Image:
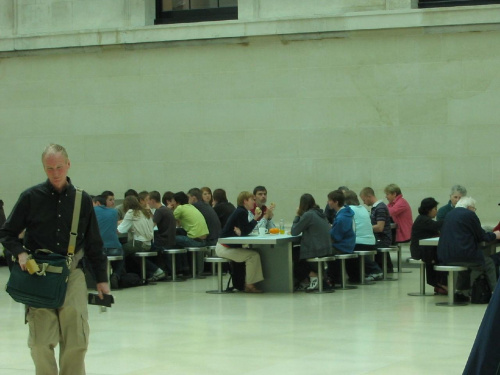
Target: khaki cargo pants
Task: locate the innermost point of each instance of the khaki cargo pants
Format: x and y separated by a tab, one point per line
66	326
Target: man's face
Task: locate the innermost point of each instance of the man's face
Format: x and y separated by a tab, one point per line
331	204
110	201
172	204
261	198
56	168
192	199
366	199
454	198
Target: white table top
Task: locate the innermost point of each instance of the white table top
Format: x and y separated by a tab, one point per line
429	241
266	239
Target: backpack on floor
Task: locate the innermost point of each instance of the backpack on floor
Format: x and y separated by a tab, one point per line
481	292
129	280
238	273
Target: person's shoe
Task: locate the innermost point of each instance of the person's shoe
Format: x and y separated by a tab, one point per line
113	280
313	284
440	291
252	289
158	275
302	287
370	278
459	297
378	276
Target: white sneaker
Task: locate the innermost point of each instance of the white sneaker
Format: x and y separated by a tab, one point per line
313	284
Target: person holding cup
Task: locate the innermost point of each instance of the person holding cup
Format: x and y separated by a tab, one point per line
315	241
239	224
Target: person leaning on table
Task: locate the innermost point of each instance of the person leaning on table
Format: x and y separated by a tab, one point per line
239	224
458	245
46	211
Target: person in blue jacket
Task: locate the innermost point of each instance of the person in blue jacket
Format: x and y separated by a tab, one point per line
342	233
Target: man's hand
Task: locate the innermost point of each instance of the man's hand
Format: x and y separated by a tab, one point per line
23	258
270	211
237	231
497	233
258	214
102	288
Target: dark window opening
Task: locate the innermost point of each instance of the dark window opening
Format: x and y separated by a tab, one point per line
185	11
453	3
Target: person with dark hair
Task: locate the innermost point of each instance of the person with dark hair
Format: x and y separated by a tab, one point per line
107	218
315	241
266	220
239	224
211	219
426	227
45	212
342	235
381	224
110	198
222	207
138	222
191	220
329	212
167	198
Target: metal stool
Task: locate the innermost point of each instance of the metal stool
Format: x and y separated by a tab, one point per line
143	255
174	267
451	284
321	264
400	267
218	261
194	251
422	278
362	254
211	252
385	251
343	276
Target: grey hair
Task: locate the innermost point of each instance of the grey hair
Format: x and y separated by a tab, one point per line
459	189
465	202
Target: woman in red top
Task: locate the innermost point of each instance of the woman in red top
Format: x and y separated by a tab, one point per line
400	211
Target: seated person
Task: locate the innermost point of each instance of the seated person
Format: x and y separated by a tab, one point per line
365	239
315	241
138	222
206	195
400	211
381	224
191	220
164	236
222	207
266	220
342	234
239	225
458	245
426	227
457	192
107	220
329	212
212	220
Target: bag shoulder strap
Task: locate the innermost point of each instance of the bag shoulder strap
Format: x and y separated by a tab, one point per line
74	224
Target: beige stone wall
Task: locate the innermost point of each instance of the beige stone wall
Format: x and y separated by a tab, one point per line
414	107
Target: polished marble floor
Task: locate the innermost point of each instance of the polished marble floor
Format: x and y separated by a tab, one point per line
177	328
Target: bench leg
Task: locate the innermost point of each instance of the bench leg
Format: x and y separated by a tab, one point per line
386	278
451	293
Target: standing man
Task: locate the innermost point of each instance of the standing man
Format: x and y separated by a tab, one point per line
457	192
381	224
260	193
46	211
